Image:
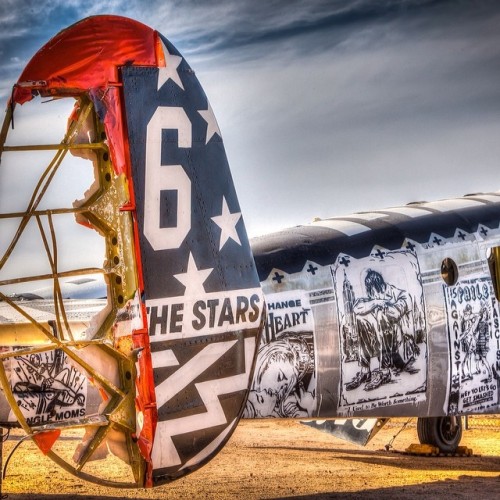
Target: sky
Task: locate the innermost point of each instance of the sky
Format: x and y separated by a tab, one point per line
325	107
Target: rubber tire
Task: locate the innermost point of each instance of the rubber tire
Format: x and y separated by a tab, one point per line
436	431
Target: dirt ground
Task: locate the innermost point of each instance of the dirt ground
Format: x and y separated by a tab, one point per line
285	459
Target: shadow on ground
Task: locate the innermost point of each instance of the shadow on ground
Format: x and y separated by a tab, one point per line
402	460
464	487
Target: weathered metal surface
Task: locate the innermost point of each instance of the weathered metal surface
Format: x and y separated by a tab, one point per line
384	329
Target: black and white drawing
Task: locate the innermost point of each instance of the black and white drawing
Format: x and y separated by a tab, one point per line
382	331
474	339
284	383
47	387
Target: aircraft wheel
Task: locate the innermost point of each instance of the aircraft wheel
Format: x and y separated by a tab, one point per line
443	432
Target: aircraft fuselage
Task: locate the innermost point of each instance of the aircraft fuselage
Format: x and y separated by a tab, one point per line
387	313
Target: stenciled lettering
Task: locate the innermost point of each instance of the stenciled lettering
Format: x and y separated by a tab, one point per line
166	177
169	319
204	314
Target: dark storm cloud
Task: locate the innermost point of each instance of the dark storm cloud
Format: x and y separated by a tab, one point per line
258	23
236	30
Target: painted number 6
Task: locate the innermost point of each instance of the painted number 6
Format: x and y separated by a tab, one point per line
166	177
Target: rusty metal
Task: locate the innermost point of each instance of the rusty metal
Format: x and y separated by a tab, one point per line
100	210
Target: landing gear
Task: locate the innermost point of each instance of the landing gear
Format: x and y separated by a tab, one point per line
443	432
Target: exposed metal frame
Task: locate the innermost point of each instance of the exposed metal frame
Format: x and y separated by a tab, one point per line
119	270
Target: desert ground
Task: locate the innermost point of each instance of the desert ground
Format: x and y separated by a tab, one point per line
285	459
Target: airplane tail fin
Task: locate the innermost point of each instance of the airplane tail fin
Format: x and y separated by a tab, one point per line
168	358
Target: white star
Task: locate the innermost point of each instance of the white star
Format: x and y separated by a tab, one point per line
227	222
170	70
193	278
212	127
